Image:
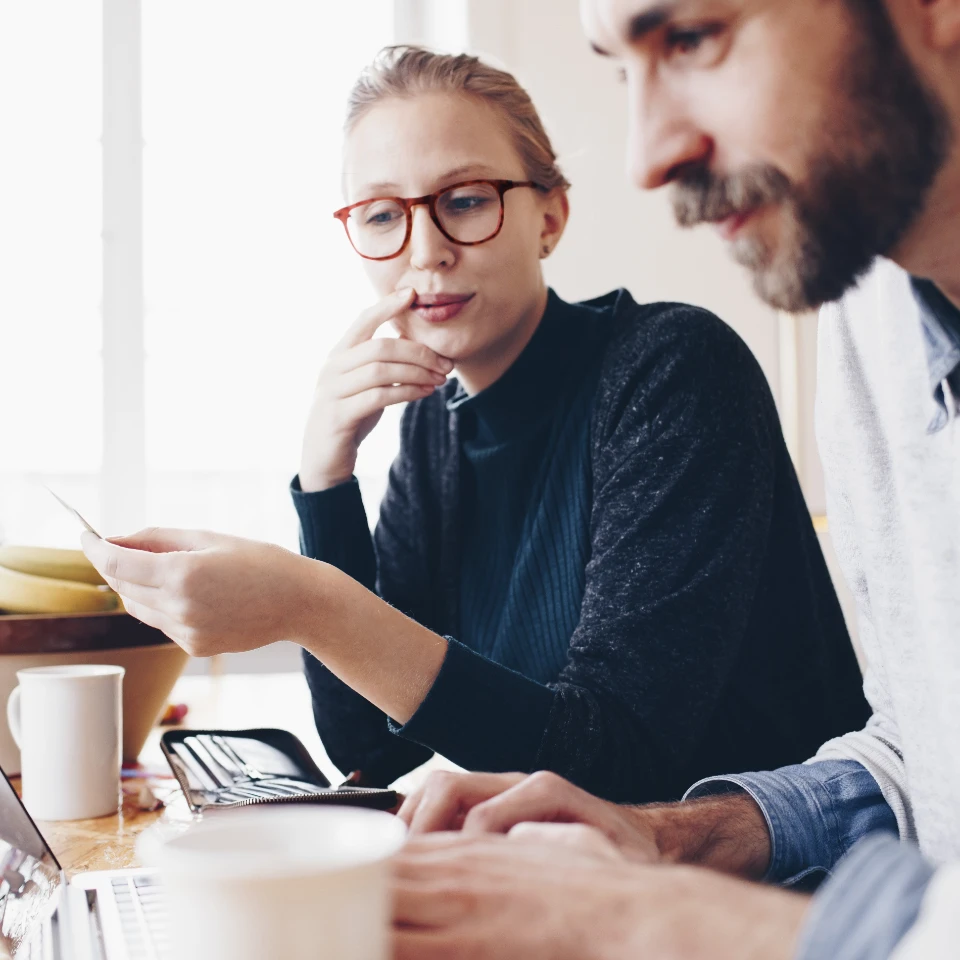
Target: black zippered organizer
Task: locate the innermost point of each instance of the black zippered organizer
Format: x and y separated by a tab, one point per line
222	769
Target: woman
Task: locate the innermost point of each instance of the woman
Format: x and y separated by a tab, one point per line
595	531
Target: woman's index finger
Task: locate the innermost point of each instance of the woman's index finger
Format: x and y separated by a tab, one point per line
370	321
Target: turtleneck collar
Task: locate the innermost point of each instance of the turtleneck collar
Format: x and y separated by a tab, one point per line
527	391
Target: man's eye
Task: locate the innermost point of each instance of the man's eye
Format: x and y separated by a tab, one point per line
685	41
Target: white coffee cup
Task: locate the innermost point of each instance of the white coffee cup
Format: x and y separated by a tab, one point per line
294	881
67	722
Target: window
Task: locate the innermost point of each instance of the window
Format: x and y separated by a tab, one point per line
247	279
50	263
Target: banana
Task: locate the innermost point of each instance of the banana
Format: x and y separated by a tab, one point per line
25	593
50	562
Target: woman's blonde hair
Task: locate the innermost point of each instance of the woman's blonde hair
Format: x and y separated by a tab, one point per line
405	71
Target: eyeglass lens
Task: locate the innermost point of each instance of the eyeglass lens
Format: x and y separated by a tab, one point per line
468	214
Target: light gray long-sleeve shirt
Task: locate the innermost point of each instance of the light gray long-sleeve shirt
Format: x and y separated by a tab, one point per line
889	379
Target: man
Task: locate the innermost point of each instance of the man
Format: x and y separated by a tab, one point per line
819	135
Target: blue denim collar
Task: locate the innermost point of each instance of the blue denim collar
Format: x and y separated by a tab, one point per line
940	320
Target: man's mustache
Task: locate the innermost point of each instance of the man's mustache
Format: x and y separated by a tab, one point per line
700	196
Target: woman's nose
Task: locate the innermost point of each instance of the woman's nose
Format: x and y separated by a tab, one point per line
429	248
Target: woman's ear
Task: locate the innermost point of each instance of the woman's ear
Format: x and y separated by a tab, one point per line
556	212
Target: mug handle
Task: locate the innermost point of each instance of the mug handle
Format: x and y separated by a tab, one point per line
13	714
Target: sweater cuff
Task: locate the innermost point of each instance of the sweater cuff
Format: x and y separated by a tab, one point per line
329	521
480	714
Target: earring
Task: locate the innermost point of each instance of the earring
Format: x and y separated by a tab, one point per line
544	251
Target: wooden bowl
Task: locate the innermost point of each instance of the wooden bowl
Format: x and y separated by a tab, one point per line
153	665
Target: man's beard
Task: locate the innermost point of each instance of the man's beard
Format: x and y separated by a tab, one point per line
867	184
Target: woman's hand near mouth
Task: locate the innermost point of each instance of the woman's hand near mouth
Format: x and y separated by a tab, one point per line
362	377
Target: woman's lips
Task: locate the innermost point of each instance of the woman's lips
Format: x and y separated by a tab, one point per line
439	308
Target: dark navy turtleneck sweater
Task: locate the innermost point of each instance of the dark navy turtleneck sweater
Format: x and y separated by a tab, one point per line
524	442
613	540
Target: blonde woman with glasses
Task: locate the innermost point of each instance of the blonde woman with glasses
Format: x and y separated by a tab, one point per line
593	556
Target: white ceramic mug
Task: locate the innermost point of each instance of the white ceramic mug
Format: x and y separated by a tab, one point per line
294	881
67	722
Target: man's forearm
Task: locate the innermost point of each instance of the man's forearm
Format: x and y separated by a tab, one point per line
727	833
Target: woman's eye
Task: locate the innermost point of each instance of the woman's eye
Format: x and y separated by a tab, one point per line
465	204
380	218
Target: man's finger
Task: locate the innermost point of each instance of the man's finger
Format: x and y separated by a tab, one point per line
531	800
119	563
439	844
445	800
426	903
367	324
418	944
576	836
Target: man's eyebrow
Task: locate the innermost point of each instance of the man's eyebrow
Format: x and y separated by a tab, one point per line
643	24
650	20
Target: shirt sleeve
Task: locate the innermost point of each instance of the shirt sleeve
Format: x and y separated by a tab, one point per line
869	904
936	933
815	813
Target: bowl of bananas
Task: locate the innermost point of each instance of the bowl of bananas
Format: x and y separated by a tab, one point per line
55	609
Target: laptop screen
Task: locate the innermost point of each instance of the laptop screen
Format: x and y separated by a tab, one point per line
29	874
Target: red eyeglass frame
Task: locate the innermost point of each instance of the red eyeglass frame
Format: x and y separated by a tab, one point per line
430	200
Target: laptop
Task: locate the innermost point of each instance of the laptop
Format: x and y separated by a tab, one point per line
106	915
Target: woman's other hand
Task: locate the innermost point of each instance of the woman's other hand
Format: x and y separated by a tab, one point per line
209	592
362	376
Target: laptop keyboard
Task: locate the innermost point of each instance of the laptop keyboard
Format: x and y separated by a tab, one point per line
143	917
42	945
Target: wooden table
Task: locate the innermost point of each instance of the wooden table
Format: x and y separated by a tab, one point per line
229	701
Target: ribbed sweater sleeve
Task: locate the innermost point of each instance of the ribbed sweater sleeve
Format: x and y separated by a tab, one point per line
355	734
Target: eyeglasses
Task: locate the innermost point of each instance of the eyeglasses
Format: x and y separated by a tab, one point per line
465	213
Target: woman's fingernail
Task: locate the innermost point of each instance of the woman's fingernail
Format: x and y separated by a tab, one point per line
446	365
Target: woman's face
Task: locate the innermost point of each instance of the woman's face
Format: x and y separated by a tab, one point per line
415	146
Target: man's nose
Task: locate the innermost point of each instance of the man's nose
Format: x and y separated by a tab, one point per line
664	140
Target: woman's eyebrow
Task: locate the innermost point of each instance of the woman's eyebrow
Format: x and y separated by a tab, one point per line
387	188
